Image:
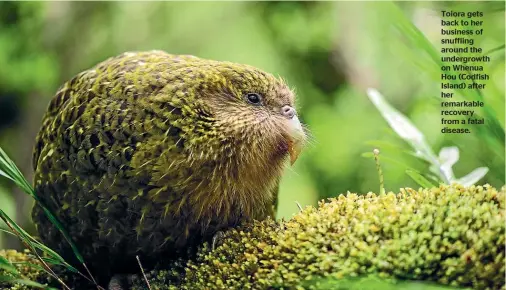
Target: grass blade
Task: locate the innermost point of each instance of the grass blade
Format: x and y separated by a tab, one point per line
407	131
24	237
495	49
11	171
419	179
27	282
473	177
402	126
7	266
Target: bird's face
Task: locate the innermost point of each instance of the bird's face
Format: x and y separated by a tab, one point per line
255	118
237	126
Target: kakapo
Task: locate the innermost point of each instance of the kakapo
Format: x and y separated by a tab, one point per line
147	153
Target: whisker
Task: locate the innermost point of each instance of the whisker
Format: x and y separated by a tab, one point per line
293	170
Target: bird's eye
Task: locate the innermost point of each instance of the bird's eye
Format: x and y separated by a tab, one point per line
253	98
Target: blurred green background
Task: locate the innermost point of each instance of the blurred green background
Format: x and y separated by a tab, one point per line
329	52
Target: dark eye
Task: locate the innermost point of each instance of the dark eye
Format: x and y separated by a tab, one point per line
253	98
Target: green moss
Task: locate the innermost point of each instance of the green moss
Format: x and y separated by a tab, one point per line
26	266
448	235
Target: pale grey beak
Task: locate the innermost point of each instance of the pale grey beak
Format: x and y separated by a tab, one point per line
296	140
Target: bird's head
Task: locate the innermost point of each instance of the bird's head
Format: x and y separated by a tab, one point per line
255	112
246	121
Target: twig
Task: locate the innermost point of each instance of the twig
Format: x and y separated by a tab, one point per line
298	205
93	279
78	272
143	274
34	251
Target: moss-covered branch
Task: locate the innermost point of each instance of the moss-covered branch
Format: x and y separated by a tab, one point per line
448	235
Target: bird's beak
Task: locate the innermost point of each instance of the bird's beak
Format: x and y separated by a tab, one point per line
294	150
296	139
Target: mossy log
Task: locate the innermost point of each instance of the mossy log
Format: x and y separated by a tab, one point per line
448	235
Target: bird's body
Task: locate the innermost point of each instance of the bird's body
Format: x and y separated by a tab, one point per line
147	153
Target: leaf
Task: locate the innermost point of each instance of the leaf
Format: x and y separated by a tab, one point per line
407	131
7	266
441	166
418	178
473	177
26	282
448	156
7	232
59	262
402	126
501	47
32	243
17	229
367	155
493	132
9	169
4	174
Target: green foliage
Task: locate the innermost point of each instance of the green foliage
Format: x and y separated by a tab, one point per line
18	269
8	169
440	166
418	178
24	64
418	48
